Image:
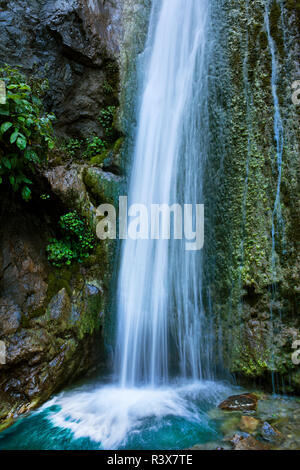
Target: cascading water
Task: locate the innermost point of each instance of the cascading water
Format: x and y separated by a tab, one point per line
279	139
277	221
160	310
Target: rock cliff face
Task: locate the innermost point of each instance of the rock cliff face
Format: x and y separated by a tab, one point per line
253	276
51	319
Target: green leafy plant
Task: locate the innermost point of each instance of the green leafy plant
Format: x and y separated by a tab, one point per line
72	146
59	253
25	131
76	244
107	88
106	118
94	146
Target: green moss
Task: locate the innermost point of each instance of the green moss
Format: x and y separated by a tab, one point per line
263	40
57	280
243	270
97	160
275	28
112	81
90	320
118	145
293	8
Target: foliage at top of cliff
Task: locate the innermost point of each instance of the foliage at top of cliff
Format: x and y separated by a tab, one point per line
25	130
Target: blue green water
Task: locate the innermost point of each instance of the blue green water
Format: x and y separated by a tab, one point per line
94	417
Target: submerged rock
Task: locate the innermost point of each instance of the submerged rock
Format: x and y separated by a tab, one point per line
212	446
248	424
244	402
270	433
248	443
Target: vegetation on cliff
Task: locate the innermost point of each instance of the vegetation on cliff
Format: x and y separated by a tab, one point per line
26	131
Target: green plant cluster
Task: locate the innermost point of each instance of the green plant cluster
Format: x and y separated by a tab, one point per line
25	131
72	146
107	88
87	148
94	146
76	243
106	119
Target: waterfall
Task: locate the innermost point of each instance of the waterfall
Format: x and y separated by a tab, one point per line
277	221
160	309
279	140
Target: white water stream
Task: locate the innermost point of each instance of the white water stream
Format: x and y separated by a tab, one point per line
160	310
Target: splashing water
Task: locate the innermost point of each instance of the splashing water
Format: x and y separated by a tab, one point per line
109	417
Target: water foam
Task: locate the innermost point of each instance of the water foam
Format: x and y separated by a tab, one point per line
110	415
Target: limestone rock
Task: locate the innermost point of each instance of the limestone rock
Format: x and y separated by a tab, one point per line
104	186
248	424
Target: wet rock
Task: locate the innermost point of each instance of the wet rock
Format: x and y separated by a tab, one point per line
10	317
229	423
244	402
212	446
236	437
103	186
248	424
66	183
270	433
58	313
46	345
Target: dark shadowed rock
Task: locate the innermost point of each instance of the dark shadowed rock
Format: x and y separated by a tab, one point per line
70	43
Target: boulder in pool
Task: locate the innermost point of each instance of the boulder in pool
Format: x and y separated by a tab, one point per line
244	402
